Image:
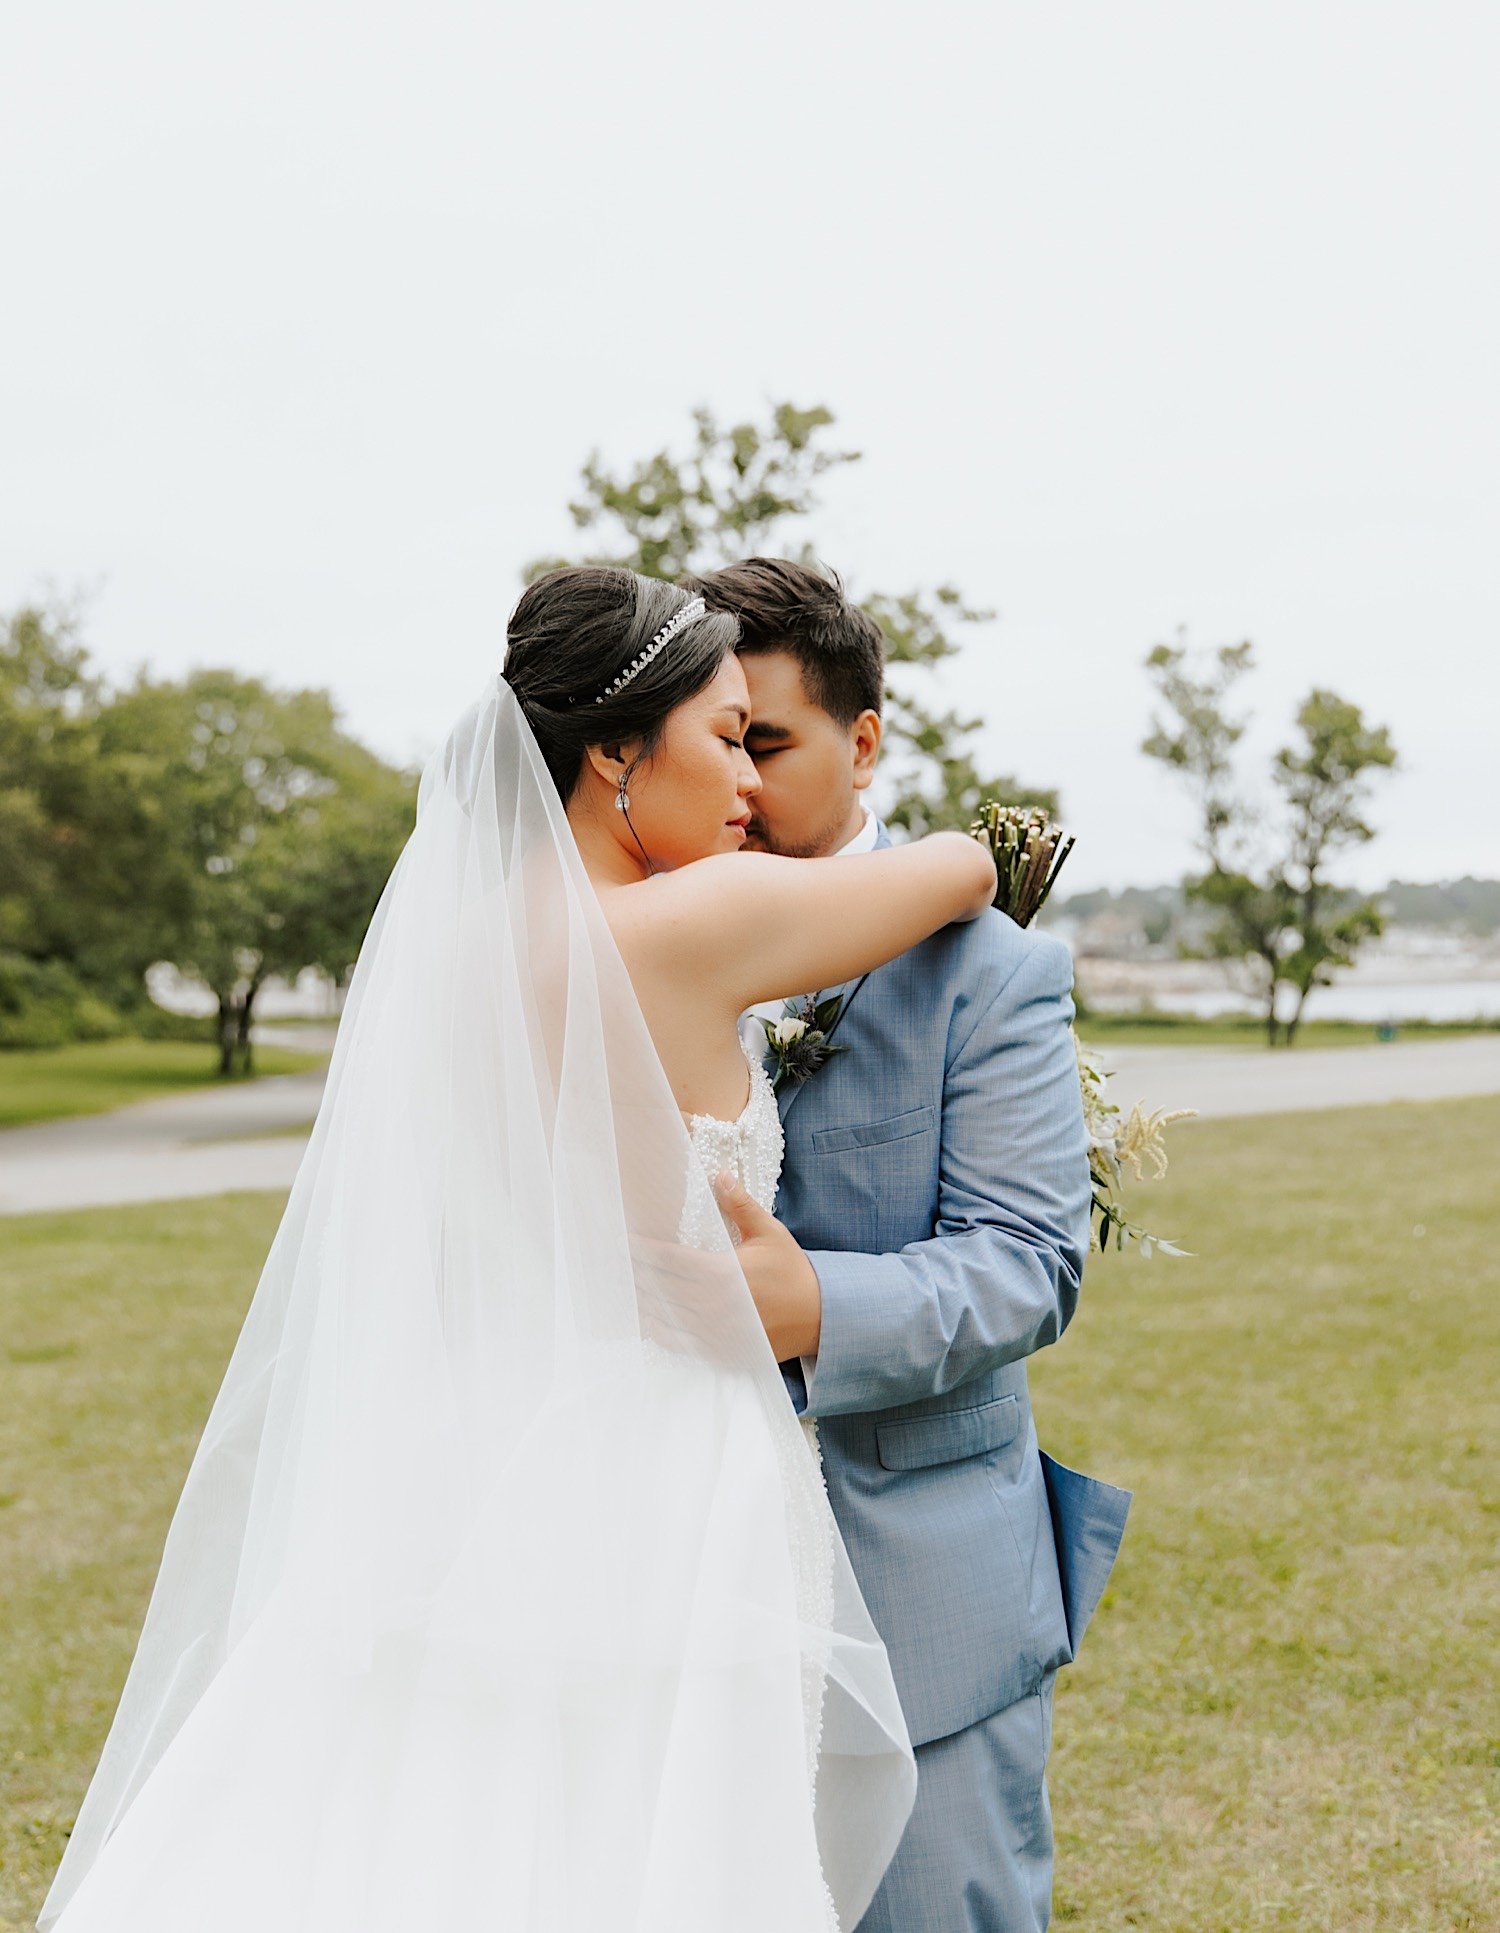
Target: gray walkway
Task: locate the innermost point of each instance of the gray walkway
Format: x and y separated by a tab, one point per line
207	1142
242	1137
1234	1080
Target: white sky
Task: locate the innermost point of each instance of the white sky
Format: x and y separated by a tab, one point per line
1144	314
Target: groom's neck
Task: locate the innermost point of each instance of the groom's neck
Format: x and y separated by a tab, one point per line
841	831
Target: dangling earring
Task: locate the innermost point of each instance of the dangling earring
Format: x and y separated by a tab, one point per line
622	797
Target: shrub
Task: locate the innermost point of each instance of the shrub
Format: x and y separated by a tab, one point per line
44	1003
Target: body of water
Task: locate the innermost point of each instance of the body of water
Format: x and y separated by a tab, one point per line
1352	1000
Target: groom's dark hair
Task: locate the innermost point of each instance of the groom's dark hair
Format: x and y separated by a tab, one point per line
802	609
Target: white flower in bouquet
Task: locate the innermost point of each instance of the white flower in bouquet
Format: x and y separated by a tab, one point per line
1029	852
1117	1142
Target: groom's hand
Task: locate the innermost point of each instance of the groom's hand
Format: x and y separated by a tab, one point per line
782	1280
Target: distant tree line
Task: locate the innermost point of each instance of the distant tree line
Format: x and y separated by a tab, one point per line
210	821
238	832
1165	917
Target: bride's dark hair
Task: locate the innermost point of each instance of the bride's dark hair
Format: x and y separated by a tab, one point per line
572	634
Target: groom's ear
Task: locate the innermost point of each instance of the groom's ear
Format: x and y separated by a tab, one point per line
866	733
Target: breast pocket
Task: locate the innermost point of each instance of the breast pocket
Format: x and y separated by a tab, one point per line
874	1134
879	1179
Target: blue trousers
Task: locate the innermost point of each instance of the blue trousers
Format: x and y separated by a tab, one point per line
976	1856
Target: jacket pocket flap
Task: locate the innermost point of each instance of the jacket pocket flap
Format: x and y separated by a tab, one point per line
899	1127
914	1442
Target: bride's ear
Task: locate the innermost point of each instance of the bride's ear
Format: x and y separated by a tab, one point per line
610	760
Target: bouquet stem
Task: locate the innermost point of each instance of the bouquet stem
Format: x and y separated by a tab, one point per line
1029	852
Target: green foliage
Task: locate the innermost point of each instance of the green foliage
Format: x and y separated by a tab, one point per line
44	1003
1275	905
722	500
1197	736
232	829
741	490
284	830
85	873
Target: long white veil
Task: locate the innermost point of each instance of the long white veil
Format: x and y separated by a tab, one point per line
482	1605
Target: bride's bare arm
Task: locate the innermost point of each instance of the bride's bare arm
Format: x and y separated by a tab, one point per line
760	925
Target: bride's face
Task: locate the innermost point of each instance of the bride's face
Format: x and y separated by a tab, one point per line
692	796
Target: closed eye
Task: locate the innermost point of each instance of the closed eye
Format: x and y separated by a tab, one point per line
737	743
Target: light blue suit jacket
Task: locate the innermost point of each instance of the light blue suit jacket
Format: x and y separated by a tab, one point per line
937	1173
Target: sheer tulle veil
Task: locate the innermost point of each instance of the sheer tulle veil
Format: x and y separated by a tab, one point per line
484	1558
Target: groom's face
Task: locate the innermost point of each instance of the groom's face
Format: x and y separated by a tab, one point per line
812	768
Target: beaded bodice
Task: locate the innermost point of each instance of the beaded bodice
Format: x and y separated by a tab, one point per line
750	1148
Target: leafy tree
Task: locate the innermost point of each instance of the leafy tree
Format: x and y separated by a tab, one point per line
1268	874
283	827
87	875
746	489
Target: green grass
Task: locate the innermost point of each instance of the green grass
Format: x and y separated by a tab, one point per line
90	1077
1152	1027
115	1328
1283	1716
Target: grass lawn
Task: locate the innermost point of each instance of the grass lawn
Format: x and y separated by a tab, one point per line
1158	1029
1284	1715
90	1077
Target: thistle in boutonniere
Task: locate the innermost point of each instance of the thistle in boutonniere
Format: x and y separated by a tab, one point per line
1029	851
799	1040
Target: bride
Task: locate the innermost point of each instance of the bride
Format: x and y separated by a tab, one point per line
503	1591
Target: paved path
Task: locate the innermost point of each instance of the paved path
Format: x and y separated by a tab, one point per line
244	1137
1244	1080
206	1142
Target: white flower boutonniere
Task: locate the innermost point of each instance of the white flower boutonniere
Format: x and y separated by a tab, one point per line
799	1041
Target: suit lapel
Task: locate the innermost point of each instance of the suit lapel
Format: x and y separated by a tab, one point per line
850	992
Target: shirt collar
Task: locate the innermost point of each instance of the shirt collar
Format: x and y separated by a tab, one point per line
865	839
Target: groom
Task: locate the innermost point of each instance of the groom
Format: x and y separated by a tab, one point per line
932	1225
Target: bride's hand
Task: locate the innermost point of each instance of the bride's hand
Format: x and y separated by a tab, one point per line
782	1281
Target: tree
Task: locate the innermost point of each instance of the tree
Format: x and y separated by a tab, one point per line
1267	876
283	827
744	489
87	873
1322	782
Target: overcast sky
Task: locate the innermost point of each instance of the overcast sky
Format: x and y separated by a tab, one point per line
1143	315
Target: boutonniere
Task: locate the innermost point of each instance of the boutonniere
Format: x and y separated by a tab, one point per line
799	1041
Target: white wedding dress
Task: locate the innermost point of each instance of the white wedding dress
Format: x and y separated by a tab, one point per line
503	1592
751	1148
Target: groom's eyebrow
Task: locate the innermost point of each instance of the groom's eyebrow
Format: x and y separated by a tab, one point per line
759	728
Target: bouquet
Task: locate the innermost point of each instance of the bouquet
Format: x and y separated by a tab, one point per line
1029	853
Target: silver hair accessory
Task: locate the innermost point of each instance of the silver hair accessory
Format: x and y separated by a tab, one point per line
690	612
